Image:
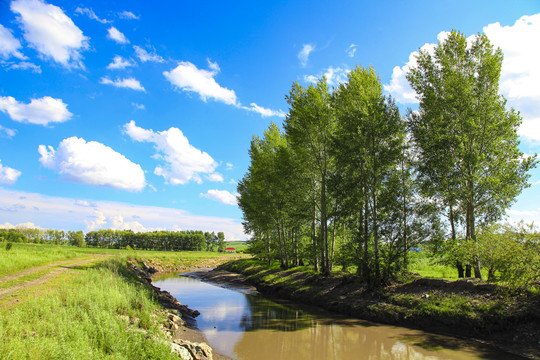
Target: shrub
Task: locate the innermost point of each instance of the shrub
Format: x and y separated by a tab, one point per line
9	245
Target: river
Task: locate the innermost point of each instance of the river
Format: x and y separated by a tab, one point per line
249	327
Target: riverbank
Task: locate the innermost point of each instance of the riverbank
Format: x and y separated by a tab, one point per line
508	319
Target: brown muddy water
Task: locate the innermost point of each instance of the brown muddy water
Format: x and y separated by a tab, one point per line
248	327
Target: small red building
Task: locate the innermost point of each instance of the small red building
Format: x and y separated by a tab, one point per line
230	250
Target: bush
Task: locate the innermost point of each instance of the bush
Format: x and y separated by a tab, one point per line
9	245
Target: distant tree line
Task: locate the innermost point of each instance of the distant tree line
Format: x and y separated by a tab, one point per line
157	240
117	239
350	181
38	236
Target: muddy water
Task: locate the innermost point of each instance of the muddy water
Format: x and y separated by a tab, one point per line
246	327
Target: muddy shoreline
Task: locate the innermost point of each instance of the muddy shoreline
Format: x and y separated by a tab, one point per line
317	291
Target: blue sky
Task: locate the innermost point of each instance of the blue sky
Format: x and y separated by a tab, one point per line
138	115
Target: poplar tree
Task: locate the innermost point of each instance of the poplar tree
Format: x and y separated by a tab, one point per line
466	138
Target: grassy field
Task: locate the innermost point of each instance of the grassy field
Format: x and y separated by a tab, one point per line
96	310
238	245
100	311
23	256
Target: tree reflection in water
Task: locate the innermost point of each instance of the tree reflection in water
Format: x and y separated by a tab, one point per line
264	314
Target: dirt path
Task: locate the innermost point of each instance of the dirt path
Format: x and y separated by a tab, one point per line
60	268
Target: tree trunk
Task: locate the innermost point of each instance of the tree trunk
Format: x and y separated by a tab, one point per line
376	241
324	230
459	265
281	258
331	265
285	252
468	272
314	239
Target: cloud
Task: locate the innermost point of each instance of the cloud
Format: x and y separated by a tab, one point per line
217	177
222	196
48	30
7	225
8	176
187	77
25	65
39	111
9	45
62	213
138	106
183	162
334	76
92	163
128	15
520	73
119	63
229	166
96	222
145	56
6	132
84	203
91	14
264	112
117	36
303	55
129	83
351	50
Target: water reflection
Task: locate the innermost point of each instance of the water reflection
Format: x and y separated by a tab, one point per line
248	327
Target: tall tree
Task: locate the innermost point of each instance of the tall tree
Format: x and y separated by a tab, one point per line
309	127
467	140
368	147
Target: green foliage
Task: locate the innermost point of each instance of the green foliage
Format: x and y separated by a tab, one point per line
511	253
466	139
9	245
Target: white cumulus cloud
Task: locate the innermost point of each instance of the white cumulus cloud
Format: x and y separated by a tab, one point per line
119	63
303	55
128	83
92	163
182	161
115	35
222	196
9	45
187	77
39	111
146	56
8	176
52	33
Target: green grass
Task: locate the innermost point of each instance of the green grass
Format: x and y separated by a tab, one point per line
427	267
23	256
99	312
238	245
